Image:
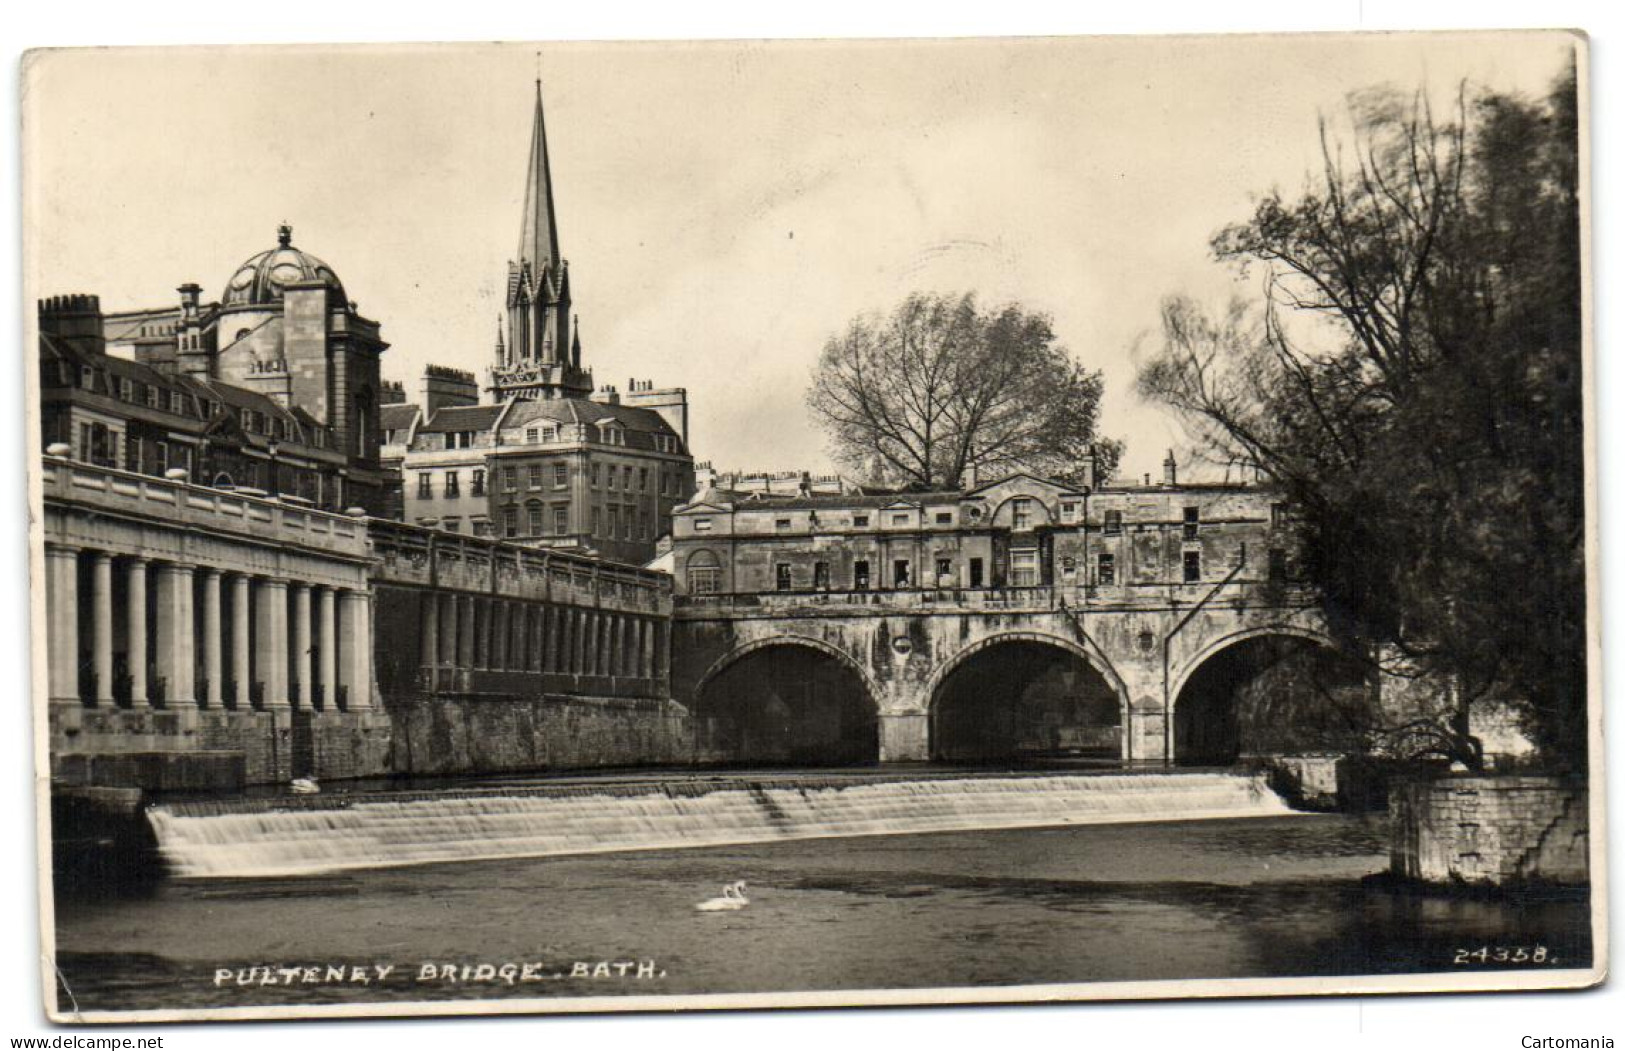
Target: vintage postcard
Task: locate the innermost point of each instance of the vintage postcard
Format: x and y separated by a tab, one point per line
600	527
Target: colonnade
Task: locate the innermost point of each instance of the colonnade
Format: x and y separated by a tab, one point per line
134	632
489	633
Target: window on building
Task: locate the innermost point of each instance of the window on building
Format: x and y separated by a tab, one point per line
702	525
781	576
900	573
592	475
821	576
945	572
643	479
482	527
510	479
132	454
510	521
1113	523
152	396
1277	516
452	525
782	525
533	435
452	487
1106	569
533	476
533	514
860	575
160	452
945	518
704	573
643	524
561	475
1277	557
478	485
860	521
561	519
1193	522
1021	515
550	434
614	521
175	402
976	575
1193	567
1024	569
900	518
597	521
626	523
1069	512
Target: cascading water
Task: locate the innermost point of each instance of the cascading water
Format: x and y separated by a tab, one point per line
286	837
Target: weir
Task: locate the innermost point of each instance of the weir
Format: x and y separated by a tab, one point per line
287	837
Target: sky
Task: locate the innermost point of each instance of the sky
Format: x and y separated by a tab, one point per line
725	207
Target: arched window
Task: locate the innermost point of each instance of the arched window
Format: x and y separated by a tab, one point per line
704	573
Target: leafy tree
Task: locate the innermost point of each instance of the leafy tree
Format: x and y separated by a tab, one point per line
939	387
1413	379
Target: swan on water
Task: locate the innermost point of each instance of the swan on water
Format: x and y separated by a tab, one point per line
733	897
304	786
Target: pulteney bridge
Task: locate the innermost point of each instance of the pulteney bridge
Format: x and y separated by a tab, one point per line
1018	619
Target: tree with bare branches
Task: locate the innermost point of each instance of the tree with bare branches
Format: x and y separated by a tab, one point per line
939	388
1412	378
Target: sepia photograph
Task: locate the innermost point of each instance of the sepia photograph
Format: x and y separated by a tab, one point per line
564	527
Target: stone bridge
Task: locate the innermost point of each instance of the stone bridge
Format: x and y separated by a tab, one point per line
1146	653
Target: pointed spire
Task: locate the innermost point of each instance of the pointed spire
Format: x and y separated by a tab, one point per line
538	235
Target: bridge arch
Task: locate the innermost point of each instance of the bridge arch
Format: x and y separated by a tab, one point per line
1027	696
1273	688
788	700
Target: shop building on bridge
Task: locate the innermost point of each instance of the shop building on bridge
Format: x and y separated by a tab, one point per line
1019	618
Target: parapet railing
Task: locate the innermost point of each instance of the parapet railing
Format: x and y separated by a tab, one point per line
415	555
1044	598
180	503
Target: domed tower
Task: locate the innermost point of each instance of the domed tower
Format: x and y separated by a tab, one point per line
286	328
542	357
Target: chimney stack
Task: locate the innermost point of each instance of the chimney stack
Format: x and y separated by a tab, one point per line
1170	470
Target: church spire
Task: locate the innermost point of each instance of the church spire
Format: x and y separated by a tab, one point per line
538	234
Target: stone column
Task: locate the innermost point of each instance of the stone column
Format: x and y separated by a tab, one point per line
301	694
136	630
567	641
177	635
448	630
648	649
465	633
101	586
327	654
242	671
62	615
481	612
271	656
499	635
355	649
429	636
212	670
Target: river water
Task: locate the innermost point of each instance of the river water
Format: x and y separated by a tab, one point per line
1253	897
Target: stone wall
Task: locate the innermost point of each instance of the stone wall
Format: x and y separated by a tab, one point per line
215	750
490	734
1490	831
